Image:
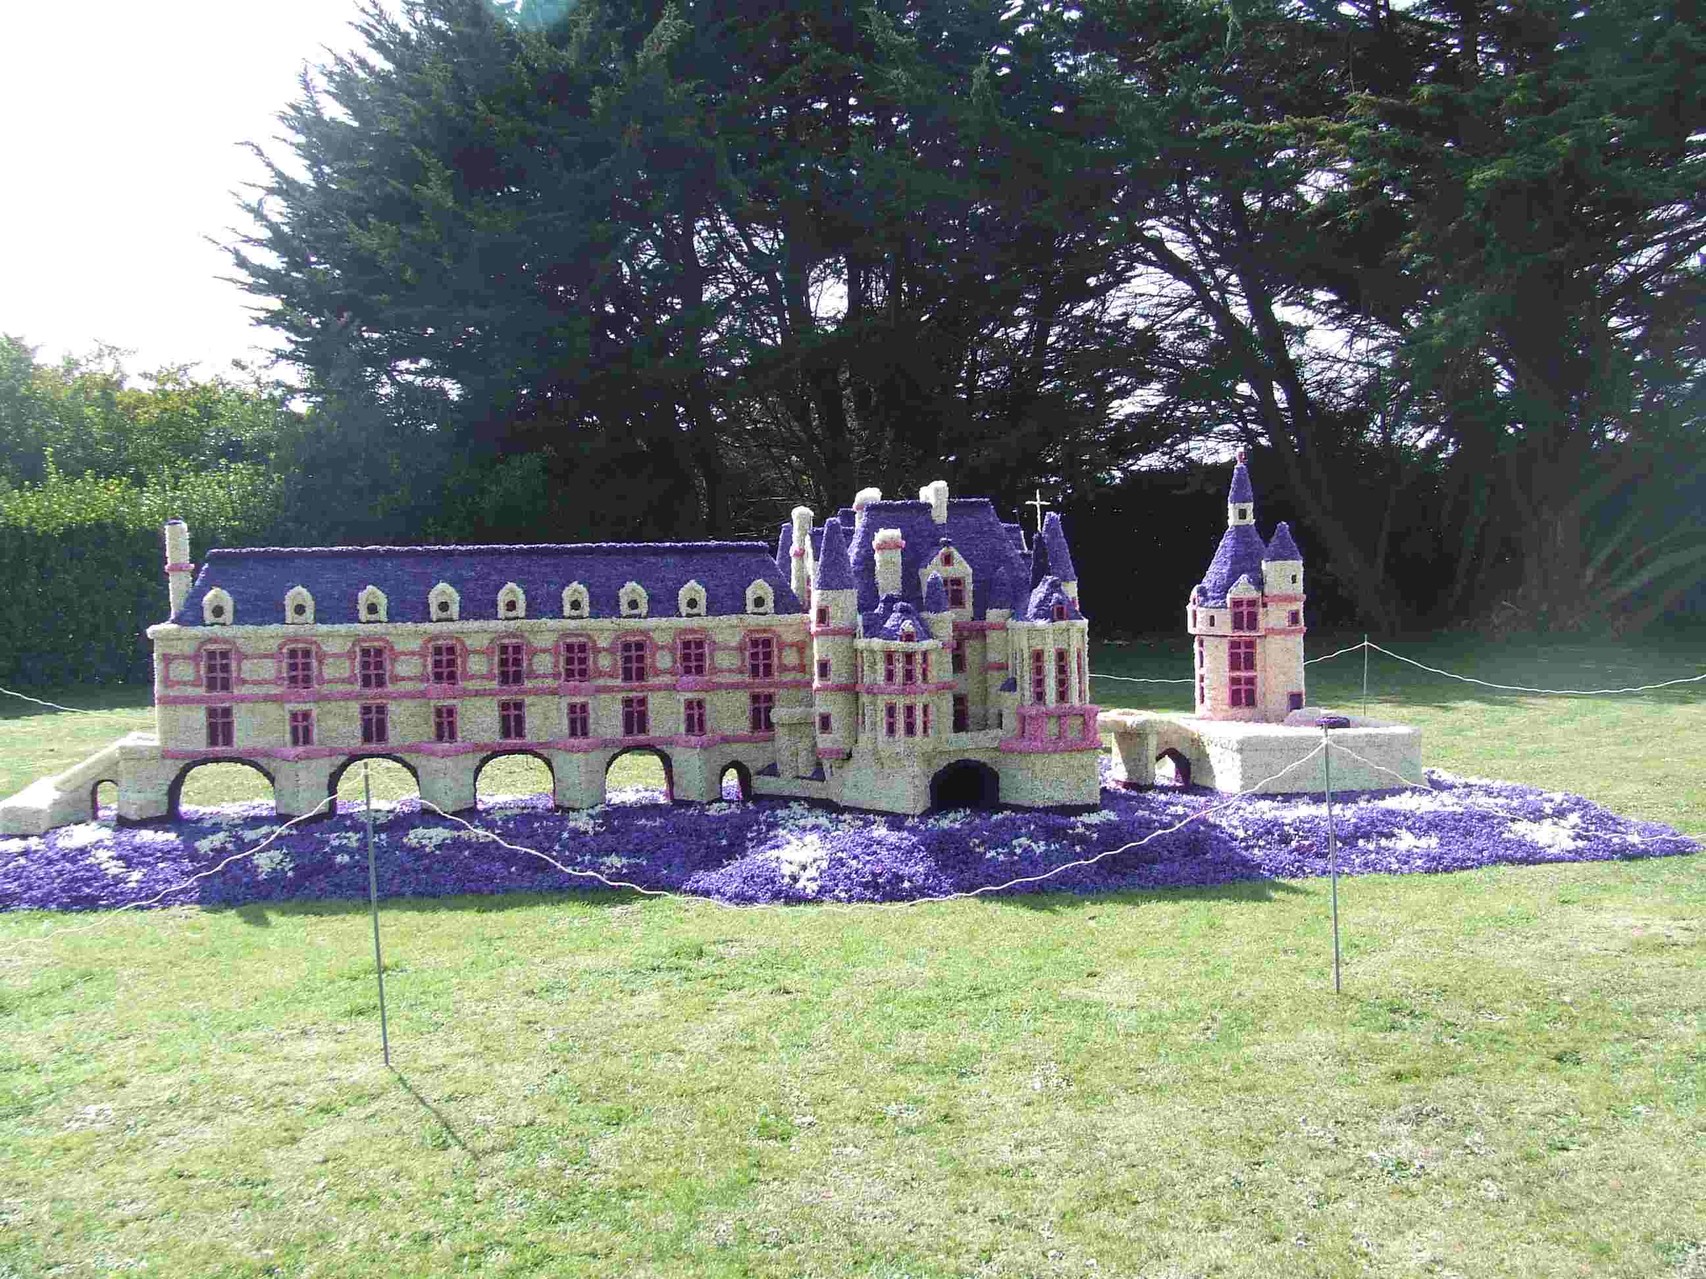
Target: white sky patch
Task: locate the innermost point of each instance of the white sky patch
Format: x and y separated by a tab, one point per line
124	125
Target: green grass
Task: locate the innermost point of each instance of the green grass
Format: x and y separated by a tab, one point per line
1162	1084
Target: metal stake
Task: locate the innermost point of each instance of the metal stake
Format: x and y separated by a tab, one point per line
1365	675
373	902
1328	723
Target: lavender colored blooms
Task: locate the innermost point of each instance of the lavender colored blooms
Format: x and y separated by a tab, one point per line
772	851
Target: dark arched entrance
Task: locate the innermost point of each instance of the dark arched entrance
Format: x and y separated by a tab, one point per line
1181	769
388	783
638	779
965	784
734	784
226	782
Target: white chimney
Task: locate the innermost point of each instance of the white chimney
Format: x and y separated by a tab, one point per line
179	570
936	493
888	545
864	497
801	568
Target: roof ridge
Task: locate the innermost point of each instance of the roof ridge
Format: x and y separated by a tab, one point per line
487	548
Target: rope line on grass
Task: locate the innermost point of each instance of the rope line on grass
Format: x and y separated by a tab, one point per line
911	901
38	701
1521	688
1370	645
1341	749
106	916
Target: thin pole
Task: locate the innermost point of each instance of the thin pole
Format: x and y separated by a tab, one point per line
373	902
1365	675
1332	841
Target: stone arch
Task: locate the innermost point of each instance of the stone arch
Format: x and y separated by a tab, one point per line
965	783
1180	761
743	780
175	791
523	752
662	757
337	775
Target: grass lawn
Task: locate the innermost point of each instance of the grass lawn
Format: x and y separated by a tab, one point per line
1155	1084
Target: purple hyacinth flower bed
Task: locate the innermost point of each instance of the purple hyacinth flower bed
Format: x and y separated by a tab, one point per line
772	851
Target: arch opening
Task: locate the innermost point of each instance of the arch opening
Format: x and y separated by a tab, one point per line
103	801
507	779
965	783
1172	768
639	775
734	785
208	784
393	782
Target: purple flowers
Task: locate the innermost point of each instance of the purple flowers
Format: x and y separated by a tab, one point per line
775	852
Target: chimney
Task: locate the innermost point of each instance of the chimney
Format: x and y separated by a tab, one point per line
888	546
864	497
801	569
936	493
179	570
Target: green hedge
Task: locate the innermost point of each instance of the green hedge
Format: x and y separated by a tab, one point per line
85	557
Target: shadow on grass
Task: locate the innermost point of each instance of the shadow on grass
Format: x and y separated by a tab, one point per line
437	1114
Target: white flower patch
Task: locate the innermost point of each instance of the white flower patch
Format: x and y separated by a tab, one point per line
155	838
801	861
1405	842
22	844
951	820
344	839
84	835
108	861
579	823
343	859
1555	836
269	860
213	844
1418	801
1019	847
433	838
1101	817
628	795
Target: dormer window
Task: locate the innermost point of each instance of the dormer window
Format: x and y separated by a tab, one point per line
370	605
443	603
947	559
759	597
298	606
908	632
1059	611
956	591
631	600
690	600
575	600
1245	615
216	609
512	602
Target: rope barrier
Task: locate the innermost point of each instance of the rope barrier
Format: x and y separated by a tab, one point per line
1199	815
38	701
1521	688
106	916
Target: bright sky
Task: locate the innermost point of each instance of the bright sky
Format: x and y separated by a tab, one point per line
121	151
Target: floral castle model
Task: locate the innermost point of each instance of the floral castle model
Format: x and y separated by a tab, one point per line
900	655
1251	729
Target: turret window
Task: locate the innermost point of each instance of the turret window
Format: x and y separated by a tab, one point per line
956	592
889	665
1060	612
825	722
957	657
1241	672
1061	660
823	615
909	668
1039	678
910	718
1294	618
890	716
823	668
1245	615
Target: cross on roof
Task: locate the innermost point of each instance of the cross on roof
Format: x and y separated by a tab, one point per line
1038	502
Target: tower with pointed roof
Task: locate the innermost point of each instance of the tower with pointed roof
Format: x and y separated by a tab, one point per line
1246	618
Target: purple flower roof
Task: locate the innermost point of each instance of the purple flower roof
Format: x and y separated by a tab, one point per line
978	535
1048	593
1282	547
834	573
1239	555
935	594
1242	489
891	614
257	578
1059	557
